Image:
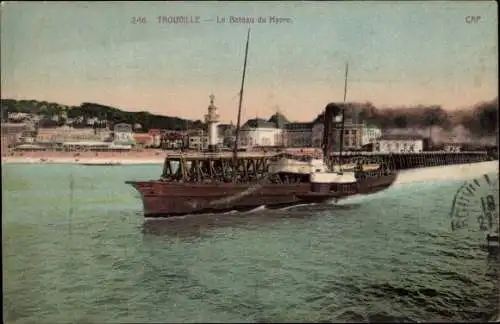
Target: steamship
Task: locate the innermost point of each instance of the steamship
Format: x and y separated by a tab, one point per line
215	182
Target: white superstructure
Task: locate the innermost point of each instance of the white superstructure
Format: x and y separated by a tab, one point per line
316	168
333	177
212	120
287	165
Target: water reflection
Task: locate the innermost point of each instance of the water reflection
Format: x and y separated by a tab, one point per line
493	273
198	225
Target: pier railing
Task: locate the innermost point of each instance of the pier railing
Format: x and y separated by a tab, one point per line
352	153
411	160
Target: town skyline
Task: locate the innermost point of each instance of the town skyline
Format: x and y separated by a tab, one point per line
433	57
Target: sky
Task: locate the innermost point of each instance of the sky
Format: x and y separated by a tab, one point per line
399	53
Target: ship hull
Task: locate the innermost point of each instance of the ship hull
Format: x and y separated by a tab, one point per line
167	199
163	199
362	187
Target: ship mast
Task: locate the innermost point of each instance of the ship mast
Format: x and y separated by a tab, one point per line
238	122
343	119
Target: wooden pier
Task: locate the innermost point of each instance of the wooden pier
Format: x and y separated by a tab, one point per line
250	166
402	161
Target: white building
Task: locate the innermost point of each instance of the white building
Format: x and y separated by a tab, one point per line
276	131
259	132
399	144
69	134
174	140
197	139
18	116
370	133
199	143
298	134
123	134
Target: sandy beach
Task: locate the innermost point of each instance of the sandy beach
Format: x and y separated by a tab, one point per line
28	160
134	156
130	157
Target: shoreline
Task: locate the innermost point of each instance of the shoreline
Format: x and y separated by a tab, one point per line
84	160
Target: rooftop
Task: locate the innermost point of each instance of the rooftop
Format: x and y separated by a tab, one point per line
298	125
279	120
258	123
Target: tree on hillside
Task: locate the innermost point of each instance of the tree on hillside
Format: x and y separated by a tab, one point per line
197	124
400	121
486	114
435	116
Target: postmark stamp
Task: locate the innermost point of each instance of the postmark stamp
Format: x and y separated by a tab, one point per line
476	201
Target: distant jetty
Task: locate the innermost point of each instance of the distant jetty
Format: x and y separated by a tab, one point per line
403	161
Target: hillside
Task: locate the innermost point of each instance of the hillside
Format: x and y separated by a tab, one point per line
479	120
92	110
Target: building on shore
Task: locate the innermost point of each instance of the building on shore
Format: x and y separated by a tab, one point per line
11	135
14	128
67	134
77	146
370	133
356	133
174	140
123	134
156	135
94	146
298	134
260	132
227	135
397	144
143	140
197	139
277	131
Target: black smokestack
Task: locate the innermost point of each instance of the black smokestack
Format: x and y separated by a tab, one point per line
330	132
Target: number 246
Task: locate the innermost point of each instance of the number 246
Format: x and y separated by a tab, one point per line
138	20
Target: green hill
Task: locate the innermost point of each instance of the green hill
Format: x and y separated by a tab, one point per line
92	110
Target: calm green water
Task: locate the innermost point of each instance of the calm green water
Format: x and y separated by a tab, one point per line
388	257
